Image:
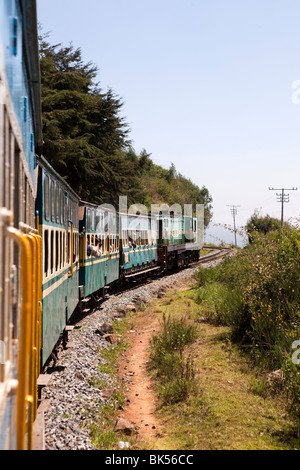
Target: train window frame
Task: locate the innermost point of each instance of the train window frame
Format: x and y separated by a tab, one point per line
64	249
125	237
68	258
112	243
88	219
92	220
47	197
52	266
98	219
76	245
70	210
57	251
66	208
61	207
61	249
46	253
57	201
52	200
14	35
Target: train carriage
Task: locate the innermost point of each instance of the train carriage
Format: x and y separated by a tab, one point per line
99	248
179	241
20	246
139	244
57	207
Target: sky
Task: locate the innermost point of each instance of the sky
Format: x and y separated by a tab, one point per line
211	86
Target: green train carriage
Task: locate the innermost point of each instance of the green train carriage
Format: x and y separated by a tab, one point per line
99	248
138	244
57	205
179	241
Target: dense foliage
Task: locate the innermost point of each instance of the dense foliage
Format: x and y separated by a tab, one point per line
262	224
87	141
257	293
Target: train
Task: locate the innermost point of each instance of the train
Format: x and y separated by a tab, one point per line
55	249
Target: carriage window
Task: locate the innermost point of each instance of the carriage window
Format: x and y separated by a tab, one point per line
52	251
97	222
14	36
124	238
52	201
46	197
92	220
62	197
61	250
66	208
112	243
57	204
64	249
46	253
68	248
88	219
71	213
76	222
76	246
57	250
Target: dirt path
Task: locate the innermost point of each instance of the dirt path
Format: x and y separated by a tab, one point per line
141	403
140	409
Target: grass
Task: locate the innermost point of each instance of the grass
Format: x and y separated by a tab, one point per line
231	407
174	371
101	428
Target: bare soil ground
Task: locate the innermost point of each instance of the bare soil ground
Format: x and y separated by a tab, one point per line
141	401
140	407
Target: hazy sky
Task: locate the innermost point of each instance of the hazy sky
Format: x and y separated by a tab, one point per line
206	85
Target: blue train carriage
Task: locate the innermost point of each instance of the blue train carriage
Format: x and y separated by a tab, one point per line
178	241
57	205
99	248
138	244
20	246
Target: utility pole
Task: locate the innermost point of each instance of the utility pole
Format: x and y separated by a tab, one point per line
233	210
283	198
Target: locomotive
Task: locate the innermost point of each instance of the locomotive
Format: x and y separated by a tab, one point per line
55	249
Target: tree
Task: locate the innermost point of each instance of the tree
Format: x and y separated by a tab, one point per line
82	126
261	224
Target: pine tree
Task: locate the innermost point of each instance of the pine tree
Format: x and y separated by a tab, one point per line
81	125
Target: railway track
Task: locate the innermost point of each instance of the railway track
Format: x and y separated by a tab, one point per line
144	277
218	254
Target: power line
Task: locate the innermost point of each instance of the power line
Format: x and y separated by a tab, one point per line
283	198
233	210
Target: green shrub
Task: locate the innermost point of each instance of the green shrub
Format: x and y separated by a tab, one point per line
257	292
180	384
175	373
